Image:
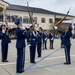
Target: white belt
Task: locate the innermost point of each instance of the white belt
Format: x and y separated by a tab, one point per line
32	39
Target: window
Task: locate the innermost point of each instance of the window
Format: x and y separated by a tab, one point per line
35	19
20	18
1	17
26	19
43	20
50	20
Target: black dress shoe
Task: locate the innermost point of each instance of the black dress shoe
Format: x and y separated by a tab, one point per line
33	62
67	63
46	48
20	71
39	56
5	61
17	71
52	48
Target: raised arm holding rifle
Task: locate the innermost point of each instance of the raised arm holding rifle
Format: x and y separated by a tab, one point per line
66	35
4	35
6	22
59	22
32	38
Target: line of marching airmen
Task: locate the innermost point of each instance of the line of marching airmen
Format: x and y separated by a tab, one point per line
34	38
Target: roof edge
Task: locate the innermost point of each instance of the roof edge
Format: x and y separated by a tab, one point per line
54	13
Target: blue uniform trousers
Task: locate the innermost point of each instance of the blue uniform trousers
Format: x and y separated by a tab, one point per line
20	59
32	53
39	46
51	44
4	51
44	44
67	53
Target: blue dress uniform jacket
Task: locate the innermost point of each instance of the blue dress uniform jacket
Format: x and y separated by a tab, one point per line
39	37
62	41
51	37
39	43
4	44
31	39
44	37
5	38
67	35
20	38
20	45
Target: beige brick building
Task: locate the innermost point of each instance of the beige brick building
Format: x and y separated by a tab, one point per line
44	18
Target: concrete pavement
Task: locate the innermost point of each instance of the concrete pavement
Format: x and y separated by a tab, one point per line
50	65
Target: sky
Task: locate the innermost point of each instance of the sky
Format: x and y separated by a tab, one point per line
61	6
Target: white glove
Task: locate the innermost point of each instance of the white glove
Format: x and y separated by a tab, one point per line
45	39
3	31
52	38
27	26
29	44
24	32
11	27
55	27
37	29
23	28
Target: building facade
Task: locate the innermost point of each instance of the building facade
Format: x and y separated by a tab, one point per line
44	18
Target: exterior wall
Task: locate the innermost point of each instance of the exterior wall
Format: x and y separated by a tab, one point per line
63	26
45	25
3	4
63	16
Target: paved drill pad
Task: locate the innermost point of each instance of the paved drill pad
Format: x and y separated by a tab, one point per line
52	65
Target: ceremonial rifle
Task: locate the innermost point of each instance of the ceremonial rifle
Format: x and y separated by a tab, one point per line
31	19
7	26
29	14
59	22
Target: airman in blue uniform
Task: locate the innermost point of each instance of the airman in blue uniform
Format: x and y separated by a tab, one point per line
20	45
31	39
4	35
1	17
44	37
62	41
67	35
39	42
51	37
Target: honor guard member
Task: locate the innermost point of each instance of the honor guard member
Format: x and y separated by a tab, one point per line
67	35
44	37
62	41
20	45
4	35
1	17
31	39
39	41
51	37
